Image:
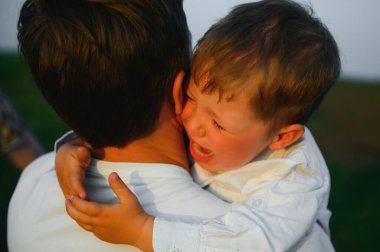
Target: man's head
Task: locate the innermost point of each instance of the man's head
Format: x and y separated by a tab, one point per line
265	67
105	66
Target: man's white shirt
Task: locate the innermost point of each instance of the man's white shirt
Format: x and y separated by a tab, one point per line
37	219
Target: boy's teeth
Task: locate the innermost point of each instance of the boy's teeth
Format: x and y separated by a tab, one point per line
201	151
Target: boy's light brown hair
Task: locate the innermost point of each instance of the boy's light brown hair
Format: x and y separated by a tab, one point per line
275	51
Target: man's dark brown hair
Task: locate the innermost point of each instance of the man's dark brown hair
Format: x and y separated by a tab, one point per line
105	66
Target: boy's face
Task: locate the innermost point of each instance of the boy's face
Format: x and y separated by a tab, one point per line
223	135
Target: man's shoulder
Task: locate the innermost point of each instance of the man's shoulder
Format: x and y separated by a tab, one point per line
37	219
40	167
33	182
43	159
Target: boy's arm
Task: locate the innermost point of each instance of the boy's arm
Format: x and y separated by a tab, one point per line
279	215
272	219
124	222
71	161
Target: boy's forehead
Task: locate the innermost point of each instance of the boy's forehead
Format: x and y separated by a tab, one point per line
224	96
228	89
211	88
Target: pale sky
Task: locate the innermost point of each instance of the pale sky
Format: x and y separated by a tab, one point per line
354	24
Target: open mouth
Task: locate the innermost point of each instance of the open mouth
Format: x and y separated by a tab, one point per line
199	153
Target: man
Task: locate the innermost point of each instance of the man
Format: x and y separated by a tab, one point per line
109	69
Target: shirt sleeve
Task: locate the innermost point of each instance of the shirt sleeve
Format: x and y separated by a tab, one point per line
274	218
167	238
67	137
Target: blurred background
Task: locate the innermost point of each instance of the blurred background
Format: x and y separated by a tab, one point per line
346	126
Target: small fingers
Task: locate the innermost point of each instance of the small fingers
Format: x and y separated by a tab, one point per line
86	207
86	227
83	155
120	189
78	186
78	216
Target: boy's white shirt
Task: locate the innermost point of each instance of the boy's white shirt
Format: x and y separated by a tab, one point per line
279	204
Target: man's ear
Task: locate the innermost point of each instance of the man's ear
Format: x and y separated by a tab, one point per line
287	136
177	92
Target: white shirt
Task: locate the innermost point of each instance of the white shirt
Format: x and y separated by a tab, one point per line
280	204
37	219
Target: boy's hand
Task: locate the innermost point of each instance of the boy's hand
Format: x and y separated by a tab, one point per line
124	222
71	161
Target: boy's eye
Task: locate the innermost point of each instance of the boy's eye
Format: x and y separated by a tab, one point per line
218	126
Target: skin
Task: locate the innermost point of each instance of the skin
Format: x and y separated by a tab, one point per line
223	135
135	228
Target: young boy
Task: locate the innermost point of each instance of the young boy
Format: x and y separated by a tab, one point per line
257	76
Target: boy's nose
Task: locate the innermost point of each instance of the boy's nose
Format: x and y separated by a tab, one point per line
194	125
200	131
196	129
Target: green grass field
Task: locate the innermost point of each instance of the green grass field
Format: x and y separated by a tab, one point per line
346	127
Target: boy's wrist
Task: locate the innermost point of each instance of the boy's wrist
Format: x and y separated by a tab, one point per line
145	239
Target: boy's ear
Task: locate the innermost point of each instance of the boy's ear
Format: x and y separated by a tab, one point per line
177	92
287	136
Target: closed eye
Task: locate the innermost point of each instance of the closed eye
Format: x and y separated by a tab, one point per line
218	126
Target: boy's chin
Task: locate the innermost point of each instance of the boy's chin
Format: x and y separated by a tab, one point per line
213	167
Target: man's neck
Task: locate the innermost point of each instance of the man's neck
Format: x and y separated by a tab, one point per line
165	145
